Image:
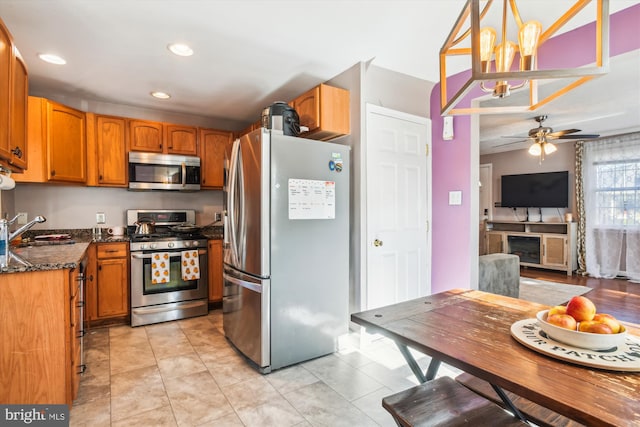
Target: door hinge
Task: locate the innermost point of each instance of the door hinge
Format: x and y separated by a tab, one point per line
426	149
427	226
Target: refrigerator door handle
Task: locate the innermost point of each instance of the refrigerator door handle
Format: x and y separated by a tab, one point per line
231	208
249	285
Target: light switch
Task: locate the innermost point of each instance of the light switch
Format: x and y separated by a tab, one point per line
101	218
455	197
447	128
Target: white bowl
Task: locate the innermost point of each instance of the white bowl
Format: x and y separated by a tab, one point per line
579	339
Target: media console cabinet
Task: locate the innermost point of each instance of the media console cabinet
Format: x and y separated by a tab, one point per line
550	245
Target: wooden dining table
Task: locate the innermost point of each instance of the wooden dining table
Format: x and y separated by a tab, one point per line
472	331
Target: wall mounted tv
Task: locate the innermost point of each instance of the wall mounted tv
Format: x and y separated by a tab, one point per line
536	190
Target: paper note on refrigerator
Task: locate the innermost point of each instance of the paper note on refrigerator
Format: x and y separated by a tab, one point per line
311	199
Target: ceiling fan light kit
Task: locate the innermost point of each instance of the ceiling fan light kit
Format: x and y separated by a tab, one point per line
484	52
540	135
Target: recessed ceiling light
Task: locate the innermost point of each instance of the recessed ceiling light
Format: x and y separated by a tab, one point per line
160	95
180	49
52	59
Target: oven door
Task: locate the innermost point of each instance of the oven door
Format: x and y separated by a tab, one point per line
145	293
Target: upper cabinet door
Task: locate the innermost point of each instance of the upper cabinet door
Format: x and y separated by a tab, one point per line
5	90
18	114
325	110
111	151
146	136
181	140
212	146
66	144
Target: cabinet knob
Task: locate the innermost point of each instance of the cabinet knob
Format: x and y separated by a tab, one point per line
17	152
53	173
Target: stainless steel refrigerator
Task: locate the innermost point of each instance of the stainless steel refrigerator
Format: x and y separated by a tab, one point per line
286	251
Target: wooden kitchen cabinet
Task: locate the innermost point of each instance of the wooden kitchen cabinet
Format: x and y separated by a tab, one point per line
112	286
325	111
212	147
146	136
41	354
13	104
90	286
181	140
215	270
158	137
57	148
107	151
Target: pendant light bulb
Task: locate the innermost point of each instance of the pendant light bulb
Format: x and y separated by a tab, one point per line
487	43
528	37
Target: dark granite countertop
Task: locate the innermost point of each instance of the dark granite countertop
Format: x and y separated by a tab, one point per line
57	254
47	257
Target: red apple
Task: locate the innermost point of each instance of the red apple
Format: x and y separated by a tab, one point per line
608	320
594	327
562	320
558	309
581	308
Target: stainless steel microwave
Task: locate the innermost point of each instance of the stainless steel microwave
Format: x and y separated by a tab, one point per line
152	171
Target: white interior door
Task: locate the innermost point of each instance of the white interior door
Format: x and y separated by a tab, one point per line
398	174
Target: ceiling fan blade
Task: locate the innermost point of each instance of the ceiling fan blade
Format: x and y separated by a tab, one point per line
515	136
582	136
509	143
562	132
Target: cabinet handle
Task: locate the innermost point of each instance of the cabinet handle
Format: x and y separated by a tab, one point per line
17	152
99	268
53	173
83	368
100	177
91	277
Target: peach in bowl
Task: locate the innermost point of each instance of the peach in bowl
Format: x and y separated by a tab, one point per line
576	338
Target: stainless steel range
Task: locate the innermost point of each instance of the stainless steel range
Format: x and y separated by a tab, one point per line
168	266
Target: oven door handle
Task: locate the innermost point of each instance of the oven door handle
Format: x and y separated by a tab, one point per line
145	256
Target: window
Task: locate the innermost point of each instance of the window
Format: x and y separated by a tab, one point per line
617	193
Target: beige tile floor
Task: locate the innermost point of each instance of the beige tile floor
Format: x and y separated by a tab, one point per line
185	373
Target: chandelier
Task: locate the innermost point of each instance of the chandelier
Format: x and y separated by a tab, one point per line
492	57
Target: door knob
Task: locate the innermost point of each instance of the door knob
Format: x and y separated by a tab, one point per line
377	242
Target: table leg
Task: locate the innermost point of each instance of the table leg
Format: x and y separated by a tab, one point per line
415	368
509	404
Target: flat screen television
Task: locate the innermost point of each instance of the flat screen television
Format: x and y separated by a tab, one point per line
536	190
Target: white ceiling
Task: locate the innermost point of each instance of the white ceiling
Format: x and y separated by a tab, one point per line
250	53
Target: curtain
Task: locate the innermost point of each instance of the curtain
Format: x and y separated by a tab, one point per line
611	183
582	254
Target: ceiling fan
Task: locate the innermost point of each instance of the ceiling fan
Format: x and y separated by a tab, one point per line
542	134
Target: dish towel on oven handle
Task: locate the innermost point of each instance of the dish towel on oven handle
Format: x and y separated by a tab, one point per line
160	267
190	265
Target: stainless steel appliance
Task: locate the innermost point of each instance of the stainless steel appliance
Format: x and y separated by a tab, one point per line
286	255
176	298
153	171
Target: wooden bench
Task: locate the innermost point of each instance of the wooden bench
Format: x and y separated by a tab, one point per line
444	402
540	415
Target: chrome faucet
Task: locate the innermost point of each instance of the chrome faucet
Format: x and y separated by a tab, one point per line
25	227
6	237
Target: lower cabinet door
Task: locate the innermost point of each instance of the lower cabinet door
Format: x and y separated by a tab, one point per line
112	295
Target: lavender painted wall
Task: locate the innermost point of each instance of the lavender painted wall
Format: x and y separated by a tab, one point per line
452	162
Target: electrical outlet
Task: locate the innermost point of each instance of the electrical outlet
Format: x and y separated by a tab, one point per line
23	218
101	218
218	216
